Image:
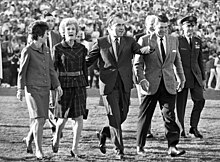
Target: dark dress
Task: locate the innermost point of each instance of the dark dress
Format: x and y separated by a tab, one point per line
73	76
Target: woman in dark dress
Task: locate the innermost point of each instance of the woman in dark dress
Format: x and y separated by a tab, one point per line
72	72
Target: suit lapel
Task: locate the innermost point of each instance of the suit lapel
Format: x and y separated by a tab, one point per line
168	45
111	51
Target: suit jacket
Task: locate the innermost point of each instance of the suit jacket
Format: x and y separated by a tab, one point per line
152	68
54	38
192	61
36	68
71	59
109	67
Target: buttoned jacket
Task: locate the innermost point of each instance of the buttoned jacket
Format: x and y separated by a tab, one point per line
109	66
152	67
36	68
192	61
71	59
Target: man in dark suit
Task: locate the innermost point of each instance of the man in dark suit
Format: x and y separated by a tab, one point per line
156	75
115	53
52	39
190	48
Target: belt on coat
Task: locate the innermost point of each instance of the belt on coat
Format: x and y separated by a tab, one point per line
75	73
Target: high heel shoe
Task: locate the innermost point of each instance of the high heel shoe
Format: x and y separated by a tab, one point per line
55	148
39	156
73	154
28	146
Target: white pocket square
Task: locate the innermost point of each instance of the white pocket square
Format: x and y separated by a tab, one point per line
173	50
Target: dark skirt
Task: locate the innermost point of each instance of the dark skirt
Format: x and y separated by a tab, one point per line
73	102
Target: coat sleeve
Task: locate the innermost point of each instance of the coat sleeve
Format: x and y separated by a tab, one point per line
178	64
24	61
53	74
139	64
93	55
200	62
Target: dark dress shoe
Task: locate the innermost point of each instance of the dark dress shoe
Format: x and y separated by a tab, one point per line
150	135
183	135
102	139
196	133
55	148
28	146
141	151
119	155
73	154
174	152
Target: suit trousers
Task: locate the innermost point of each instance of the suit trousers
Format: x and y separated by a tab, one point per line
147	107
198	100
117	107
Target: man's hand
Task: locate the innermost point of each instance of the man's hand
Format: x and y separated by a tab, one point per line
180	86
144	84
19	95
59	91
147	50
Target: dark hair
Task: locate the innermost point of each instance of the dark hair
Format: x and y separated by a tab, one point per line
38	29
112	16
162	18
47	14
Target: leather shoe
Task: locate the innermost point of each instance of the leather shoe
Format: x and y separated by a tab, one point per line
55	148
150	135
28	146
196	133
174	152
119	155
102	139
183	135
141	151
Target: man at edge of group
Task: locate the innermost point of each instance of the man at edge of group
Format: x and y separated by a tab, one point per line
160	75
115	53
190	48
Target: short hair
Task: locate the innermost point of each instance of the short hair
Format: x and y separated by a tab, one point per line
161	18
65	22
149	19
47	14
112	16
37	29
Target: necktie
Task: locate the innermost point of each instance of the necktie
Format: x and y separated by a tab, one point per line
162	49
190	42
117	46
48	42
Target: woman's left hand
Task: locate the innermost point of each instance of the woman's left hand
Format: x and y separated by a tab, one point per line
60	91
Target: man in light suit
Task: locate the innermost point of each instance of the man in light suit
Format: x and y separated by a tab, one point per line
156	75
115	53
191	56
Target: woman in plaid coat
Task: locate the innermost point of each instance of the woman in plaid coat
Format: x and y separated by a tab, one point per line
72	72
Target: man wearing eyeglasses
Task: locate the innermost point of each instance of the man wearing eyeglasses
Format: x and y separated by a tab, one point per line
190	48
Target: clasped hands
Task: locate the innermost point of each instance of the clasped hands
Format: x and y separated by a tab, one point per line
20	93
147	50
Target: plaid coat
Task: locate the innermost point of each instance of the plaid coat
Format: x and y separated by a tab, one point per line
71	59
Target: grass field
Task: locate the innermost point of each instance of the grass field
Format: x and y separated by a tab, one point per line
14	125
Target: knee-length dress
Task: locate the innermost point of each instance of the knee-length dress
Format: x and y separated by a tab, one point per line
73	76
